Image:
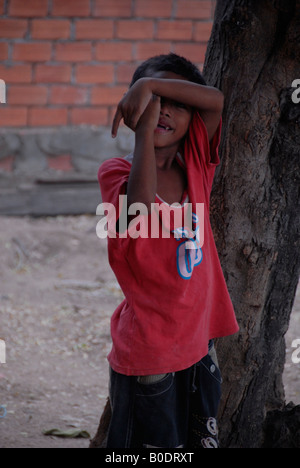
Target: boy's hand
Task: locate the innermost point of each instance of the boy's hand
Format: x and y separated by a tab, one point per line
150	117
133	105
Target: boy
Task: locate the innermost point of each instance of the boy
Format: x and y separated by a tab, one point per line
165	383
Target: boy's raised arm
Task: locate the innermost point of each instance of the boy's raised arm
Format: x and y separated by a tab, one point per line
142	183
208	100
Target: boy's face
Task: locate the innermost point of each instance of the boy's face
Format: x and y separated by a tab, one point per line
175	118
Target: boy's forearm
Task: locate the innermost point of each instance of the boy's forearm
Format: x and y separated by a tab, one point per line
205	98
142	183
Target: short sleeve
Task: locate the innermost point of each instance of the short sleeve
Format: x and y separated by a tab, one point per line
214	146
201	156
113	177
197	142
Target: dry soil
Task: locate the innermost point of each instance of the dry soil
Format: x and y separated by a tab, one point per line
57	294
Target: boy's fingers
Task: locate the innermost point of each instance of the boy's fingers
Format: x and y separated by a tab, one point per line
131	115
152	104
132	123
116	122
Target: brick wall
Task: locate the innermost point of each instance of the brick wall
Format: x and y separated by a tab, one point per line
68	62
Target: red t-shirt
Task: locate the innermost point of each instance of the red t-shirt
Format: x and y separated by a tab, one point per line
176	298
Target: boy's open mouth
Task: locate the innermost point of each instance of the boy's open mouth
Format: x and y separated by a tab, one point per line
163	127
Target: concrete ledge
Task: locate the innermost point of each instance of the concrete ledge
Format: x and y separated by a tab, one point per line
54	171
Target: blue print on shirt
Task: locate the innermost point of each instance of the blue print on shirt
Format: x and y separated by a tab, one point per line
189	254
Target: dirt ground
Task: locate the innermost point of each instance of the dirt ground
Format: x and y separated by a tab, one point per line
57	294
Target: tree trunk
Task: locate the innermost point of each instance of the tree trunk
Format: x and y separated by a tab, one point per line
254	57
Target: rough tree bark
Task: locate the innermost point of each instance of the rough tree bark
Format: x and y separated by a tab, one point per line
253	57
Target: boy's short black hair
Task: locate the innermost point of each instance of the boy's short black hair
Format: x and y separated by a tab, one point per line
172	63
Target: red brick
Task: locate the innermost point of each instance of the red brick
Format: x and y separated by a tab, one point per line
89	115
41	117
28	8
71	8
213	7
68	95
193	52
113	51
145	50
153	8
53	73
74	52
93	74
6	164
32	52
16	73
27	95
107	96
202	31
50	29
125	72
113	8
94	29
175	30
3	51
13	28
194	9
63	162
2	7
135	29
13	116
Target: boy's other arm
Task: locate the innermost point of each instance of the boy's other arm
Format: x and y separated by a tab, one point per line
208	100
142	183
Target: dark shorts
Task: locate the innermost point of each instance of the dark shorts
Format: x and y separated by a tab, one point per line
175	410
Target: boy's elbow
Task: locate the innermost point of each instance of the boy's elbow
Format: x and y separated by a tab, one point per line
220	98
212	101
